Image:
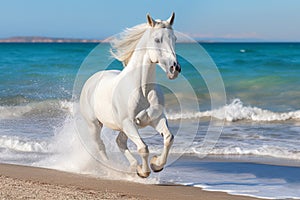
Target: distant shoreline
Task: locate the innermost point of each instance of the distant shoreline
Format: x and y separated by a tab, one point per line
47	40
39	39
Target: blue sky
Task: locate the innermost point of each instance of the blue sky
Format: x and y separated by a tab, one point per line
272	20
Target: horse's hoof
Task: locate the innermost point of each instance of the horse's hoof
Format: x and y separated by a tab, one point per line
153	166
137	121
140	173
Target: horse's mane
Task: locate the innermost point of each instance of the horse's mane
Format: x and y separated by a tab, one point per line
124	45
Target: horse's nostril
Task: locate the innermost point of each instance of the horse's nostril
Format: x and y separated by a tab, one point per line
177	68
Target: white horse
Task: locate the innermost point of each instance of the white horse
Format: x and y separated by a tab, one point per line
129	99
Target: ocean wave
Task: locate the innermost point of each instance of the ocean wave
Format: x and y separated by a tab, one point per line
22	145
47	107
236	111
14	100
262	151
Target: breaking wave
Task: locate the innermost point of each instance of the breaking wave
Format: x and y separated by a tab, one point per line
261	151
21	145
236	111
232	112
47	107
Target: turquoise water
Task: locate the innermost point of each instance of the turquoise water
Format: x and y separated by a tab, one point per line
249	70
40	71
262	112
264	75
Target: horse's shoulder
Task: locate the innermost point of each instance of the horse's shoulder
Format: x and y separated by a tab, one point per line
105	74
115	72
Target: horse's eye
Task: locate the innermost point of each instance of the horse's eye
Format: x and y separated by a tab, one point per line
157	40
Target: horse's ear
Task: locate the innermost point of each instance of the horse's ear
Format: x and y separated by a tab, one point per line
171	19
151	21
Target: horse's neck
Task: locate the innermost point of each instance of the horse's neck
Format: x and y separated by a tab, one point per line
142	70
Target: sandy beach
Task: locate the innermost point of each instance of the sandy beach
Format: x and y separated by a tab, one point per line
22	182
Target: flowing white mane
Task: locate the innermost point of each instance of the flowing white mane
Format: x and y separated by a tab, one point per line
124	46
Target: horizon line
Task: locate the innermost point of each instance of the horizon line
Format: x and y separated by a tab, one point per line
47	39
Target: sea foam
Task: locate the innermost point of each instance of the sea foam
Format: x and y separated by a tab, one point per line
254	150
42	107
236	111
18	144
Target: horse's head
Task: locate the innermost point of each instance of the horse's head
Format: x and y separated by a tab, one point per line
161	45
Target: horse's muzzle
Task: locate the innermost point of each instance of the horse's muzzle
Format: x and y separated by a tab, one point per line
174	70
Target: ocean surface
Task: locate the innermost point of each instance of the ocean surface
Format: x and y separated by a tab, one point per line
252	141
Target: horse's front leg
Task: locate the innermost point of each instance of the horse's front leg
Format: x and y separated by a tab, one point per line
145	116
130	129
157	162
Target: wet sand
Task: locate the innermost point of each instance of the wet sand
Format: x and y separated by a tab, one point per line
22	182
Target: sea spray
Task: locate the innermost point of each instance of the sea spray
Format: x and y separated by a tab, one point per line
67	151
15	143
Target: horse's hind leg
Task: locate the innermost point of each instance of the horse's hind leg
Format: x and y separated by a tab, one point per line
95	130
122	143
